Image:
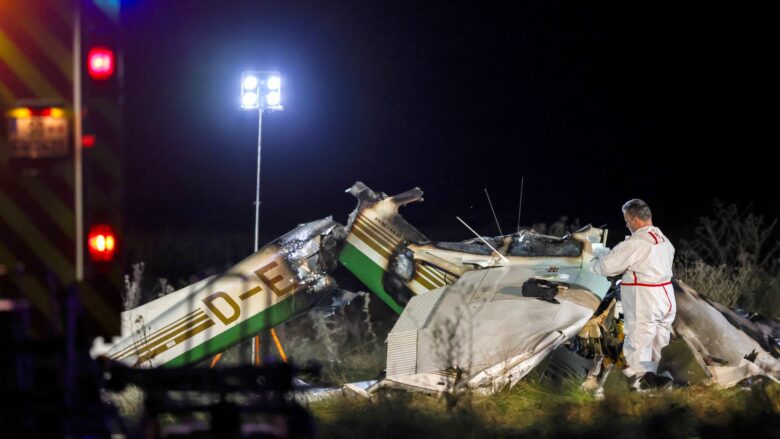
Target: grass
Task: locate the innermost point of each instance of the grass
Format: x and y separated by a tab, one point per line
534	410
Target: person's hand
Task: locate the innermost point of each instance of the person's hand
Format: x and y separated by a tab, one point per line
589	265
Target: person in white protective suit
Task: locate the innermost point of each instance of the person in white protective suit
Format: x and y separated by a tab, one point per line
645	261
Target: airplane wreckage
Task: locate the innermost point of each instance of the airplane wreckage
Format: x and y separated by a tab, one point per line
477	314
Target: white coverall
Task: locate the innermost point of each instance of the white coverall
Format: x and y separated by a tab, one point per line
645	259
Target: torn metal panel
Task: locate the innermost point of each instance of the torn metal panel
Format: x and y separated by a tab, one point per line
423	383
728	376
708	330
267	288
380	205
769	329
765	332
530	243
361	388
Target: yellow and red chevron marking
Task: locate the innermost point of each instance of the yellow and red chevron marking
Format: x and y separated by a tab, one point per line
36	50
37	226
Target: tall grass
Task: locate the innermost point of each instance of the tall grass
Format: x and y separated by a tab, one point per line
346	341
533	410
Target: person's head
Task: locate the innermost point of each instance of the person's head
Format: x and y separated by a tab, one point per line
637	214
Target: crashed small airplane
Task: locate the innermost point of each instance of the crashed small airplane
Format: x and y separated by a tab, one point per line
477	314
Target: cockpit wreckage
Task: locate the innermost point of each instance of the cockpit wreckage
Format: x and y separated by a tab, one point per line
477	314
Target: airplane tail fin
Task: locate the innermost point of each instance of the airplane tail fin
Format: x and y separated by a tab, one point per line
376	231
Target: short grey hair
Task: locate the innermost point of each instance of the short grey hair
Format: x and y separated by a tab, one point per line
637	208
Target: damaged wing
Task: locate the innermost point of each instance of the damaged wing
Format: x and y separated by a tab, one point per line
486	331
727	353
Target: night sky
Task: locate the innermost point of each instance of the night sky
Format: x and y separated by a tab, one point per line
591	102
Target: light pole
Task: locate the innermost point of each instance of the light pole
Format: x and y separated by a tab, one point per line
261	91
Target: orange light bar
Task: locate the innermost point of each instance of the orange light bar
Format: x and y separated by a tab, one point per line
55	112
25	112
19	113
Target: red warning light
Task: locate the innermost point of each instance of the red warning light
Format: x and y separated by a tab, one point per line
88	140
102	243
100	63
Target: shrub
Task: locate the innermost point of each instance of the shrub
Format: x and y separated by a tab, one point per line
732	260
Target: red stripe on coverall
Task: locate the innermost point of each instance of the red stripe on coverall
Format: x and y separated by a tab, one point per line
654	237
647	285
663	285
668	299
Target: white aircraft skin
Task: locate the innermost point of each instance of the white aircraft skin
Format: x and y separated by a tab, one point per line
205	318
286	278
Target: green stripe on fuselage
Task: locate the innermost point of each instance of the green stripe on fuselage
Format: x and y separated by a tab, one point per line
275	315
368	272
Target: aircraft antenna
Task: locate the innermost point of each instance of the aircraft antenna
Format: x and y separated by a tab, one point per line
520	208
482	239
494	212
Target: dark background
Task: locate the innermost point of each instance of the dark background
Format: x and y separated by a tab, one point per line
593	103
